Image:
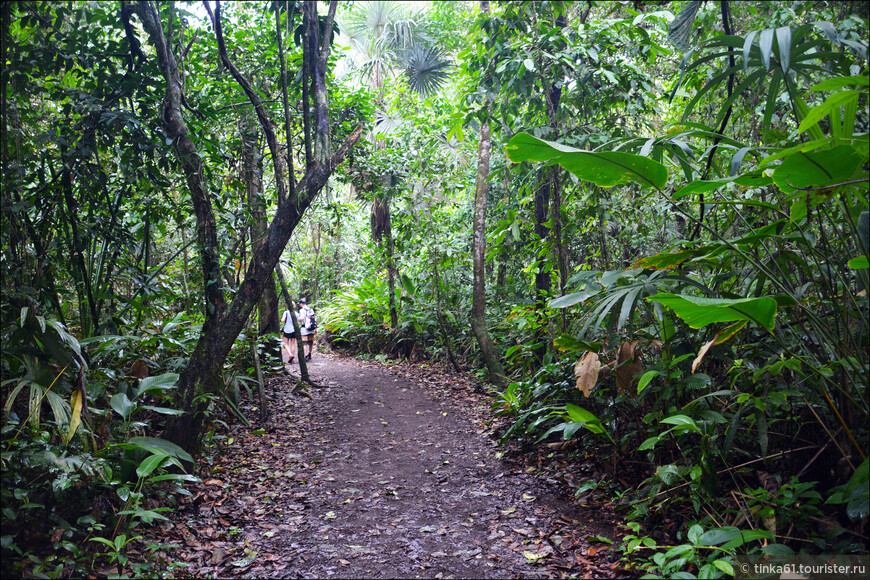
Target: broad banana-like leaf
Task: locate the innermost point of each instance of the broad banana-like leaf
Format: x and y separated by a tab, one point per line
698	312
605	168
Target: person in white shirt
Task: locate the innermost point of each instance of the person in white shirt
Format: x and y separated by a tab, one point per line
308	327
288	338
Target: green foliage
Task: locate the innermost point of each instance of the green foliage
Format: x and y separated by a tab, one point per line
604	169
783	265
705	234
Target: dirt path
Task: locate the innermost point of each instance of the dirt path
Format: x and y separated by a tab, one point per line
380	477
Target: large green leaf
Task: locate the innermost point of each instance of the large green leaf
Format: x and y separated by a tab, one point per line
698	312
818	168
755	179
122	404
163	382
587	419
157	447
831	104
605	169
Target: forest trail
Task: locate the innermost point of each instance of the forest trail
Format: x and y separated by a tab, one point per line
380	476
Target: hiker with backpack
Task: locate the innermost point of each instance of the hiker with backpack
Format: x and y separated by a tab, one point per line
288	339
308	324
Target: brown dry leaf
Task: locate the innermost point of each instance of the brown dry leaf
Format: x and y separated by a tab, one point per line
586	371
701	354
625	372
721	336
139	369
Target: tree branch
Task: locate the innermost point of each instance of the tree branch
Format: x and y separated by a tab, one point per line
185	150
265	122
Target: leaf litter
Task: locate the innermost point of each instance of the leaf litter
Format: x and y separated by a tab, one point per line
321	491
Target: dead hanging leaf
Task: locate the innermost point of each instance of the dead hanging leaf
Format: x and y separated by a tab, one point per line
701	353
627	365
720	337
586	371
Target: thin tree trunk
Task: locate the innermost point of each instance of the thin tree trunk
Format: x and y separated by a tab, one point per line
297	336
382	232
478	251
391	276
291	184
261	387
315	243
561	250
306	105
602	238
87	307
288	135
543	281
440	315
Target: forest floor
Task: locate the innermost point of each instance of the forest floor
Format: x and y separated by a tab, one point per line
387	471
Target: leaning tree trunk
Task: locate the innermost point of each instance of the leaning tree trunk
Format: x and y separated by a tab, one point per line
224	322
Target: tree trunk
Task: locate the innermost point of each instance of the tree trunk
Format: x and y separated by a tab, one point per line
252	162
382	232
391	276
223	324
303	366
261	387
543	281
439	312
561	250
478	253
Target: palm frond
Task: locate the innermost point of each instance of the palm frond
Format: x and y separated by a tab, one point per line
426	70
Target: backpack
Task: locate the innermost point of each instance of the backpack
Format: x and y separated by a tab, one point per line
311	320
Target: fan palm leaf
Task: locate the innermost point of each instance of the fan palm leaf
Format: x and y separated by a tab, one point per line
426	70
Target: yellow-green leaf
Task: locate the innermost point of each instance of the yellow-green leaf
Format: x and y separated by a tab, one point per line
75	404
